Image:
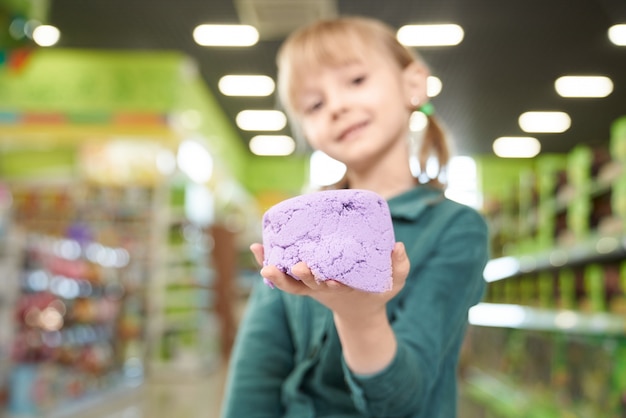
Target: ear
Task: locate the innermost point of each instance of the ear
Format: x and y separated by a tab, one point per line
415	78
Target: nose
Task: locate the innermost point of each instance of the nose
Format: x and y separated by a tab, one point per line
337	103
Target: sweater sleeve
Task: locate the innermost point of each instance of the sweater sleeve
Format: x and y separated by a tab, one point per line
429	320
261	359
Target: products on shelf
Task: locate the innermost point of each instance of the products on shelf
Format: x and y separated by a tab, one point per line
560	201
562	352
553	373
67	318
9	266
188	334
592	288
80	313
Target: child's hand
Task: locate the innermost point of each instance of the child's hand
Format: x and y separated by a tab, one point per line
341	299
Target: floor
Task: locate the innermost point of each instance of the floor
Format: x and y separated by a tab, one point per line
181	391
177	395
198	397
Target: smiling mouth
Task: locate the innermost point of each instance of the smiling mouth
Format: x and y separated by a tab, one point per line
351	130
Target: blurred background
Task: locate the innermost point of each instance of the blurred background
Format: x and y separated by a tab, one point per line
140	146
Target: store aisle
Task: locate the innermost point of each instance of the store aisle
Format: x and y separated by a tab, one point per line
174	396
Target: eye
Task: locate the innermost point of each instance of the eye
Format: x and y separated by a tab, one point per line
313	107
358	80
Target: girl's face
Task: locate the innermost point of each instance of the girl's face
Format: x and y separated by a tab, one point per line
356	111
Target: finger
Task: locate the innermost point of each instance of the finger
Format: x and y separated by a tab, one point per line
304	274
258	252
336	286
283	281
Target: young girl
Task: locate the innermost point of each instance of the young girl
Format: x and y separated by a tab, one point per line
325	350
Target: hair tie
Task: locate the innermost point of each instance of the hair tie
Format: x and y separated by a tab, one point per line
427	108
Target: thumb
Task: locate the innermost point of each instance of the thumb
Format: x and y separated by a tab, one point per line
257	251
400	263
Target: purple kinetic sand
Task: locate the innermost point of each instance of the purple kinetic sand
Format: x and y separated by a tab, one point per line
345	235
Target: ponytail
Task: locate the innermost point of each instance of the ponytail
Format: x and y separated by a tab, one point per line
433	144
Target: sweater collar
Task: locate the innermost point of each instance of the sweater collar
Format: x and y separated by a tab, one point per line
410	205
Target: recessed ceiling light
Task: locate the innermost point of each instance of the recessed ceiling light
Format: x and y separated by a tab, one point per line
46	35
225	35
272	145
430	35
583	86
546	122
516	147
617	34
261	120
433	86
246	85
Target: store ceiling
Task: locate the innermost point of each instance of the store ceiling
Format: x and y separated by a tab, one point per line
507	63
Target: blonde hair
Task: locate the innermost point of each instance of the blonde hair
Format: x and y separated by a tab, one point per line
343	40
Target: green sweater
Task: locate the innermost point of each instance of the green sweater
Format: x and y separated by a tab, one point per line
287	358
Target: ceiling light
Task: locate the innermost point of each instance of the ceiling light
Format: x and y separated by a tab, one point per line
276	145
617	34
516	147
546	122
430	35
261	120
433	86
583	86
225	35
246	85
46	35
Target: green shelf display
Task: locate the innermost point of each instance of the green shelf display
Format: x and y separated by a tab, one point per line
549	339
505	400
544	373
595	249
